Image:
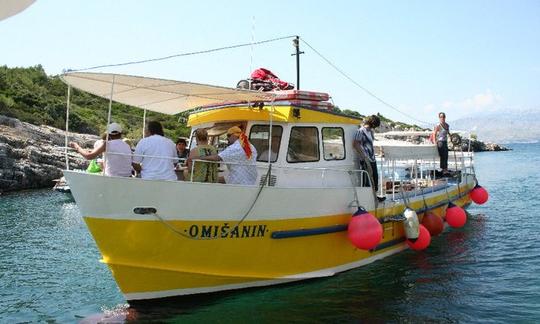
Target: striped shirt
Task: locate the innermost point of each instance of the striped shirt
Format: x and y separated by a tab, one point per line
365	136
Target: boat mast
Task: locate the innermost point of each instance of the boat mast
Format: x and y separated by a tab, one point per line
296	44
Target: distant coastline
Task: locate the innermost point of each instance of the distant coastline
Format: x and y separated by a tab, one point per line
504	126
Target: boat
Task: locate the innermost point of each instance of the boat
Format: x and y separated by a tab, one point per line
61	185
173	238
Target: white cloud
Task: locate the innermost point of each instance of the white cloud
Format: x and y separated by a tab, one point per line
486	100
481	100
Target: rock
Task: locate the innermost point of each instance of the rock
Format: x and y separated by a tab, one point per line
479	146
476	145
495	147
32	156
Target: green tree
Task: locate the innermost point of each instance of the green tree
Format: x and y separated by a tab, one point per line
28	94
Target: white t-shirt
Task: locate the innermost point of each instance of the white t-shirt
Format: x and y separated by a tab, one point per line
161	165
98	143
118	165
240	174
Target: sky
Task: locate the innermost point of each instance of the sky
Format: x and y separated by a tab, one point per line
418	57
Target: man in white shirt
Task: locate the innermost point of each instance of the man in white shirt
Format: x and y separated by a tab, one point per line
155	155
117	154
241	157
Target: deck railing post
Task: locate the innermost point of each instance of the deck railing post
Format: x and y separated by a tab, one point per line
67	126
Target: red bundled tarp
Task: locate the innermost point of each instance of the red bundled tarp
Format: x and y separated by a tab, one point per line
263	74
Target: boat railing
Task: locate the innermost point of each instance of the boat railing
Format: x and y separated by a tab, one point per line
414	177
297	175
421	178
318	176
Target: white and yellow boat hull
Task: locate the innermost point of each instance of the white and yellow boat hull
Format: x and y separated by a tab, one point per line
196	241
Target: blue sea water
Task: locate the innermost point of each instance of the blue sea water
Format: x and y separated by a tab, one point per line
484	272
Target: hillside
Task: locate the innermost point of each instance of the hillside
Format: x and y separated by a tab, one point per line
521	126
29	95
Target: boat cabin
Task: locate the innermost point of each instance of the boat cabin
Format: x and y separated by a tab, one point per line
313	145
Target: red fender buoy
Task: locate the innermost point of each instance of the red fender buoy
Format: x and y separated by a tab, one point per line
364	230
433	223
455	216
479	195
423	240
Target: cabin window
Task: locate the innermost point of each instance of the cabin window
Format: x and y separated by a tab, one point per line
333	143
259	135
303	145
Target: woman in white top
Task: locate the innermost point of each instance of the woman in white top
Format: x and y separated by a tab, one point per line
116	153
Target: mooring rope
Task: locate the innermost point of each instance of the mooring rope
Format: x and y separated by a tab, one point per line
221	235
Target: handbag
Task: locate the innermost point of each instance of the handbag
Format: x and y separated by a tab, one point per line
93	167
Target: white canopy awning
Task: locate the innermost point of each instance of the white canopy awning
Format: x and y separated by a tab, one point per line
159	95
9	8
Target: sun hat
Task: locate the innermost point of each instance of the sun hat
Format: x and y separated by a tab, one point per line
235	130
114	128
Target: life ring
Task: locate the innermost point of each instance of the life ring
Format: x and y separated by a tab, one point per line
455	139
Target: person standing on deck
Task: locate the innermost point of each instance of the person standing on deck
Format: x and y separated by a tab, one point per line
240	156
363	144
202	171
155	155
116	153
440	135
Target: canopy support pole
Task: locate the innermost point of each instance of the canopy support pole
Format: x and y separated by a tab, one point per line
108	122
67	126
143	122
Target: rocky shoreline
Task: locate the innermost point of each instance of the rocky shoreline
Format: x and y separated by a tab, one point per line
32	156
475	145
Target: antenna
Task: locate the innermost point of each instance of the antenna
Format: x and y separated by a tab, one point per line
296	44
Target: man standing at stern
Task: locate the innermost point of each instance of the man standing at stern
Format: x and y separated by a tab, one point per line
240	156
